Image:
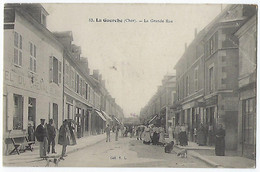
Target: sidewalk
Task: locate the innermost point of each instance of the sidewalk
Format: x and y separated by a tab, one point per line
29	158
207	154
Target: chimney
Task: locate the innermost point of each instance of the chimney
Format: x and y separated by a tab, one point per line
185	46
96	74
196	33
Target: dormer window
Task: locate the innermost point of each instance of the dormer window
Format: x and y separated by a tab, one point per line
43	19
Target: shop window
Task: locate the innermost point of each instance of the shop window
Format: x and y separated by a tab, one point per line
249	121
18	112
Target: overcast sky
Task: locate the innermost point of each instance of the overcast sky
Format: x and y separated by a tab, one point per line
142	53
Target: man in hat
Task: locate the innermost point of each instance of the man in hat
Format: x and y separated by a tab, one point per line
41	136
51	136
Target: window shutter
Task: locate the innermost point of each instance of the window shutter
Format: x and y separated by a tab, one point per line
25	112
59	70
10	111
51	69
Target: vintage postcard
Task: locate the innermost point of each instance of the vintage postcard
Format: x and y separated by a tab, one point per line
129	85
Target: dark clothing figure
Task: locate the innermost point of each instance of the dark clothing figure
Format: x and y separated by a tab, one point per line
51	137
64	136
183	136
201	136
40	133
72	140
41	136
220	142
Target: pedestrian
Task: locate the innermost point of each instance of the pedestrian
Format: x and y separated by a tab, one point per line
195	134
41	136
51	132
161	137
116	130
146	136
156	136
107	130
177	133
170	132
210	135
31	128
220	141
63	139
72	134
183	136
201	135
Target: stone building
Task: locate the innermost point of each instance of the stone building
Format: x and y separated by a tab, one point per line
247	88
33	65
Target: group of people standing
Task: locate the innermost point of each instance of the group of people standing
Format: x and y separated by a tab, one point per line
153	135
46	134
179	133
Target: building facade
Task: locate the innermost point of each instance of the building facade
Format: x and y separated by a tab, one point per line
45	77
247	88
31	90
207	77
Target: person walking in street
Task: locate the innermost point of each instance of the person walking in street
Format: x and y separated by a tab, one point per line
63	139
41	136
51	132
201	135
116	130
220	141
107	130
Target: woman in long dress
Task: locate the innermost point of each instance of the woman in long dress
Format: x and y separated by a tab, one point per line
170	132
220	141
161	138
147	139
201	135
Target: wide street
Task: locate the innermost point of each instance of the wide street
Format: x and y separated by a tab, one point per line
127	152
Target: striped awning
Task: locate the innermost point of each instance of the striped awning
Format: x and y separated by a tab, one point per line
101	115
106	115
117	120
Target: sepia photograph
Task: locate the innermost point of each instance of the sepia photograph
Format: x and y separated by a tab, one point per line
168	85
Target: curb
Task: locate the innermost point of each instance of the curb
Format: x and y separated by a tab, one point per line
200	157
209	162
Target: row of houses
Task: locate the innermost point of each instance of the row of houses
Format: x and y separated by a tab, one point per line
216	79
46	77
159	106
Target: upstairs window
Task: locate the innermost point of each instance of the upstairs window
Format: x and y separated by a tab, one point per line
18	46
32	57
43	19
196	83
211	79
55	70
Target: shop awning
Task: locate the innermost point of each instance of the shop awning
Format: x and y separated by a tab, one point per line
106	115
100	114
151	120
117	120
